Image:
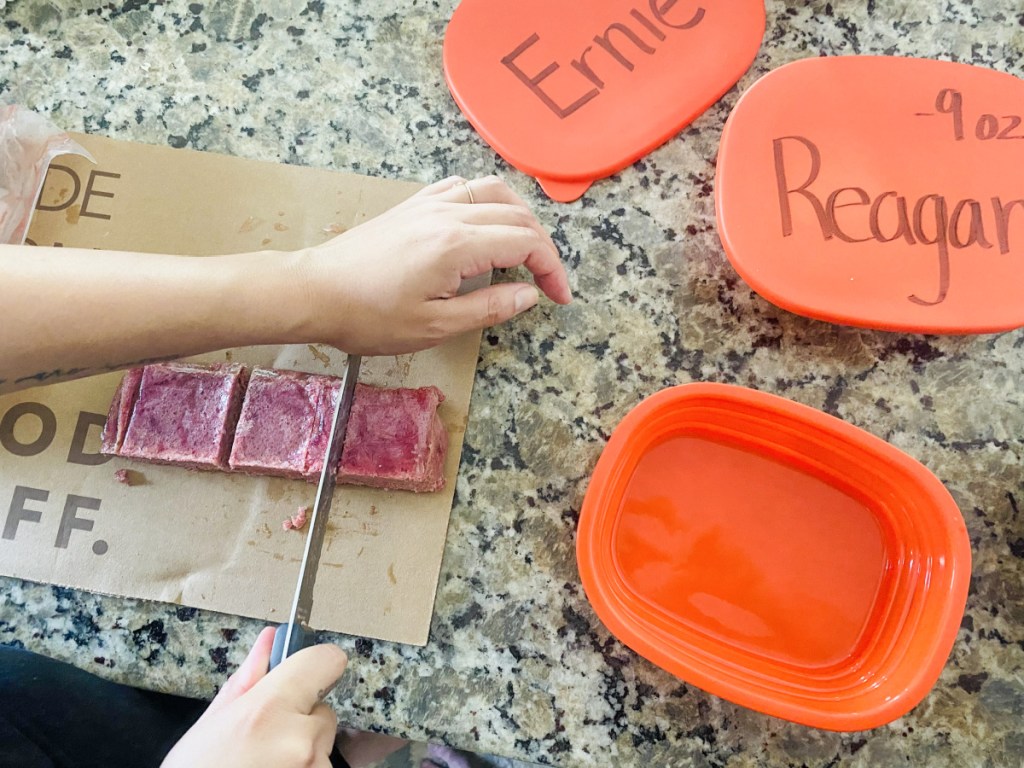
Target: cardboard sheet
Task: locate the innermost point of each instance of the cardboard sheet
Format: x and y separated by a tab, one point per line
204	539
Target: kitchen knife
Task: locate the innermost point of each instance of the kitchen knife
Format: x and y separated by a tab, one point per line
297	634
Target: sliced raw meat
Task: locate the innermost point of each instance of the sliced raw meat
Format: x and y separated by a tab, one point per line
120	413
395	439
195	416
184	414
279	418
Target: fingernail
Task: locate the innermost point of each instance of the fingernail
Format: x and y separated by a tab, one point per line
525	298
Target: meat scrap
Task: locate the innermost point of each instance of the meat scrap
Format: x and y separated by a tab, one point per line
122	476
198	416
296	521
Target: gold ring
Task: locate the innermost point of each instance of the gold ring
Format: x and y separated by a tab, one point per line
469	191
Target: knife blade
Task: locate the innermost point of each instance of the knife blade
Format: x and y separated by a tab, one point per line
296	633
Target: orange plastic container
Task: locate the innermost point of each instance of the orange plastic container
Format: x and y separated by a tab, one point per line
880	192
571	92
775	556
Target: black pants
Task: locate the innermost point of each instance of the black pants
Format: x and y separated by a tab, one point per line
53	715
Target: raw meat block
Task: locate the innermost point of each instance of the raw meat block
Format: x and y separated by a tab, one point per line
121	411
276	423
395	439
185	414
280	414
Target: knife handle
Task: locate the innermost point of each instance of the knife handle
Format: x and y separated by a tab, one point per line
300	639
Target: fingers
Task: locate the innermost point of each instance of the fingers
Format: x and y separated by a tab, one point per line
542	259
303	679
509	214
487	189
484	307
486	193
490	202
255	666
251	671
498	246
494	202
442	187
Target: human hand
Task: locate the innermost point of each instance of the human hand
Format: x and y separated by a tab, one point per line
390	285
276	720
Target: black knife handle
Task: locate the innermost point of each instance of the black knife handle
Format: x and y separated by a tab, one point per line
300	639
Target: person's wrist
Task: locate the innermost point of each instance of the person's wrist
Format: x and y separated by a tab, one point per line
272	296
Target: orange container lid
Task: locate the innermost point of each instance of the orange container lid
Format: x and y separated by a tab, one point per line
571	92
879	192
774	555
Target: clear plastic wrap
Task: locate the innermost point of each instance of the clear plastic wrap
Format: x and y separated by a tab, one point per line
28	144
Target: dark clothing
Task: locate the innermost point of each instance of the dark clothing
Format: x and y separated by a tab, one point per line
54	715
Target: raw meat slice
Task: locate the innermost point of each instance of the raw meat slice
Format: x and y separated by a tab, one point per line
185	414
121	411
395	439
279	417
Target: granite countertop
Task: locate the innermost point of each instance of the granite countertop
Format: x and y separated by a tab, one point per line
518	664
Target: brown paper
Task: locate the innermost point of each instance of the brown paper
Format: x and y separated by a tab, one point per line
205	539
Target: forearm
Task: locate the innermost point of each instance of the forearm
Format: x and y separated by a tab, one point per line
71	312
387	287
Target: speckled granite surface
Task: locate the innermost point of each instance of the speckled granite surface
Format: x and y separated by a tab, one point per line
518	664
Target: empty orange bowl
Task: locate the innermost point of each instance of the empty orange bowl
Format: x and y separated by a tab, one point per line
775	556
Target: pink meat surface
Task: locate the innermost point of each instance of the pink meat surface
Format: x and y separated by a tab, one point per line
120	413
395	439
185	414
280	414
277	423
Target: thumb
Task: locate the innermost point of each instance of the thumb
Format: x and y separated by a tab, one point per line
303	679
486	306
251	671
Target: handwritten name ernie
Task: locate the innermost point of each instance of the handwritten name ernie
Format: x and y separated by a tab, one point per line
854	215
642	34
